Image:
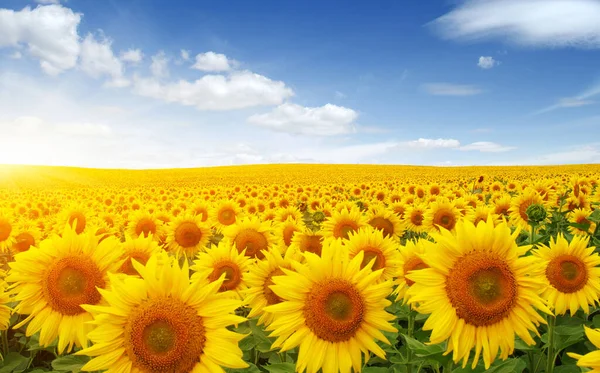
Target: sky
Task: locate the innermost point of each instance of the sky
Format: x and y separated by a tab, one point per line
162	84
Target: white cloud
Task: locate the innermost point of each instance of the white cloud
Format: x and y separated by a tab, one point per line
582	99
239	90
97	60
84	129
185	54
339	95
327	120
212	62
486	147
16	55
160	65
433	143
49	32
133	56
487	62
447	89
552	23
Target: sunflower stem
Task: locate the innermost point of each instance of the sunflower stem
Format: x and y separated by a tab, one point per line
449	366
410	333
550	352
4	343
532	234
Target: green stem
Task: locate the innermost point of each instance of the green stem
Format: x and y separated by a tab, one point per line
532	234
410	333
550	352
4	343
449	366
530	361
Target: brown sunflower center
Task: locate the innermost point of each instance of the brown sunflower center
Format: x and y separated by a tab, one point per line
226	216
127	266
384	225
445	219
80	219
145	226
24	242
482	288
312	244
252	241
334	310
233	275
416	217
413	264
342	229
567	273
71	282
371	253
5	229
288	234
269	294
165	335
188	234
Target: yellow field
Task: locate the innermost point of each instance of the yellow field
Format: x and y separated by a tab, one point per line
283	268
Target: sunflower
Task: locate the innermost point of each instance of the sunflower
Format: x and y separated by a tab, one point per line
479	291
259	279
441	214
53	281
592	359
187	235
284	214
411	259
224	214
223	259
482	213
142	223
341	223
74	214
27	234
572	276
163	322
5	310
139	249
251	236
286	231
414	217
385	220
7	238
502	206
307	241
375	247
519	205
333	310
580	216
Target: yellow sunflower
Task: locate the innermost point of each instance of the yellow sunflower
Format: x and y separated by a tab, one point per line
142	223
479	291
224	214
7	238
572	274
519	205
308	241
251	235
482	213
441	213
377	248
590	360
75	214
580	216
27	234
332	309
53	281
286	230
5	310
223	259
187	235
341	223
385	220
411	259
139	249
163	322
414	218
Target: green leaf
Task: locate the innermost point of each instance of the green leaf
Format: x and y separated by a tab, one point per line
69	363
567	369
594	216
376	370
251	369
581	226
422	350
281	368
14	362
507	366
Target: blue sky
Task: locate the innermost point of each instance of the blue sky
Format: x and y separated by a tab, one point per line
148	84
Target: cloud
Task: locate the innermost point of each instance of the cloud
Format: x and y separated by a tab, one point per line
447	89
582	99
48	1
241	89
212	62
16	55
49	32
546	23
486	147
185	54
97	60
133	56
433	143
327	120
160	65
84	129
339	95
487	62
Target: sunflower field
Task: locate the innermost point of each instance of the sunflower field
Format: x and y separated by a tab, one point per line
300	268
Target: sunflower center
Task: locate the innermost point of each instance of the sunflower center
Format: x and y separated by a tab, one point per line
416	218
383	225
371	253
288	234
80	219
227	217
165	335
188	234
71	282
334	310
252	241
127	266
5	229
312	244
445	219
413	264
233	275
145	226
567	273
344	228
482	288
269	294
24	242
